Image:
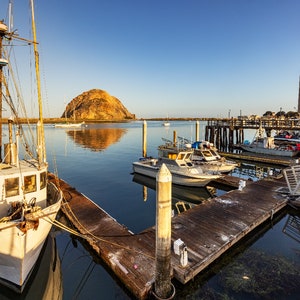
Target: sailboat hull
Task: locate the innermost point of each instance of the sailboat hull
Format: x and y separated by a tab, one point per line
21	248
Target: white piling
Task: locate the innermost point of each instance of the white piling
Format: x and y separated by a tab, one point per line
197	131
163	287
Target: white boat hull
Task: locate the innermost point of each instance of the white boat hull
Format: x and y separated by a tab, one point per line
69	125
267	151
20	250
184	178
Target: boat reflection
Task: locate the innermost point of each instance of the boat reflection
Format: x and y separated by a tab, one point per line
256	171
45	282
96	139
194	195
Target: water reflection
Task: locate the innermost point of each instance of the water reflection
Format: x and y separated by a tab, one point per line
45	281
183	197
96	139
292	227
256	171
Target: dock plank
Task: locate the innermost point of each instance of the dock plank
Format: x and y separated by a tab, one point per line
208	230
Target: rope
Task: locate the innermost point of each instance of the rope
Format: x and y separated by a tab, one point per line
84	236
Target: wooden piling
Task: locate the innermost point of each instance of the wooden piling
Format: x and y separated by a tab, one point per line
145	139
163	286
197	131
174	137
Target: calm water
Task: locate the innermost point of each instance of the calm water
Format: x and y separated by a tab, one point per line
97	161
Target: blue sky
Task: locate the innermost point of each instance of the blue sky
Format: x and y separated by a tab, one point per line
193	58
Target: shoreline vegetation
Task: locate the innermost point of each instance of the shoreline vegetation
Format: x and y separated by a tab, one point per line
63	120
128	120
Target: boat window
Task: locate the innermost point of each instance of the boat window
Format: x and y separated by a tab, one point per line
206	153
180	156
214	153
29	184
188	156
11	187
43	180
172	156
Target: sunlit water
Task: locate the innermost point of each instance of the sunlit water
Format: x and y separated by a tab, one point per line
97	160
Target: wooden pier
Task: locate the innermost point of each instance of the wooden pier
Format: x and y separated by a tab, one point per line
207	230
227	132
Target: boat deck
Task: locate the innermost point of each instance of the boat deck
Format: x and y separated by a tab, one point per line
208	230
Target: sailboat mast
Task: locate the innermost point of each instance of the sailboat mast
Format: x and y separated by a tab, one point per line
1	76
3	30
41	140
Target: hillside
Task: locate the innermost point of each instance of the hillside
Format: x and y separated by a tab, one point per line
96	105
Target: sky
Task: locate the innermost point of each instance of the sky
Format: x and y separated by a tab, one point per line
192	58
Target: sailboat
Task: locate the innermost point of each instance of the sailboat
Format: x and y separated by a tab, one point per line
166	123
68	124
28	202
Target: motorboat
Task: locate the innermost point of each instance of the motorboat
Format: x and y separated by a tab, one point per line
69	125
206	155
29	203
286	136
178	161
267	146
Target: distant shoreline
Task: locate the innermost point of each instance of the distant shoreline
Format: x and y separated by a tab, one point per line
63	120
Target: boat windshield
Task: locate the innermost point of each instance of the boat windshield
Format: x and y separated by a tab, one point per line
206	153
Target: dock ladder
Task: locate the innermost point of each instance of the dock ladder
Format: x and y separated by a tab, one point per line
292	177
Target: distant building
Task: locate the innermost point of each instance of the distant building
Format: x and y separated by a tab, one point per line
299	97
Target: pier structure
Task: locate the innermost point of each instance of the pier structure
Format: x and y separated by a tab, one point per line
207	231
225	133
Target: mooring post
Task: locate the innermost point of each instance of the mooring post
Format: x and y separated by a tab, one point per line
163	287
145	139
197	131
174	138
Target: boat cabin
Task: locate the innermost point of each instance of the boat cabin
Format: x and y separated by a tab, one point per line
25	187
181	158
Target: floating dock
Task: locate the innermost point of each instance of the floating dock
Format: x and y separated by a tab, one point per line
207	230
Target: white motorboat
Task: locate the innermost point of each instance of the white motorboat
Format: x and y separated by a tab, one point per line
28	203
179	163
267	146
206	155
69	125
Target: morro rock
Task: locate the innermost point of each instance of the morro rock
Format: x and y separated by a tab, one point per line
96	105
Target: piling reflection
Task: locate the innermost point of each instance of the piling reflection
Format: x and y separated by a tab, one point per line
45	282
96	139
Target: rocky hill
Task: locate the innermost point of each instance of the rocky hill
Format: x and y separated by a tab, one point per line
96	105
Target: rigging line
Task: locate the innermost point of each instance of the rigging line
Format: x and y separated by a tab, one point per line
84	236
84	279
22	105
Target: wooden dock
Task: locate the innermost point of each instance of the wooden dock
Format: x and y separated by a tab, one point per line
208	230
